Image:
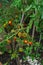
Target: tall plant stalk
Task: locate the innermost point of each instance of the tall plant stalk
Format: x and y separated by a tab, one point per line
22	17
33	32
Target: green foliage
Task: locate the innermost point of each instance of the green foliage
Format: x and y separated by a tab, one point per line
13	11
14	55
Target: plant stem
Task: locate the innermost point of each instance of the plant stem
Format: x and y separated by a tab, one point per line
22	17
33	32
12	35
11	47
40	38
18	61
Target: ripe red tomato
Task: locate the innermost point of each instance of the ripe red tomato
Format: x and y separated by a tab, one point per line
30	43
10	22
25	41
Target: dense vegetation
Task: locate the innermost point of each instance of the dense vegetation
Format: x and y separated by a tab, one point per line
21	28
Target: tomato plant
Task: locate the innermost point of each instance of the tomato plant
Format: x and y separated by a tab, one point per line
21	28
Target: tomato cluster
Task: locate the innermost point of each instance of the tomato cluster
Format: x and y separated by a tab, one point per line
22	35
27	42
